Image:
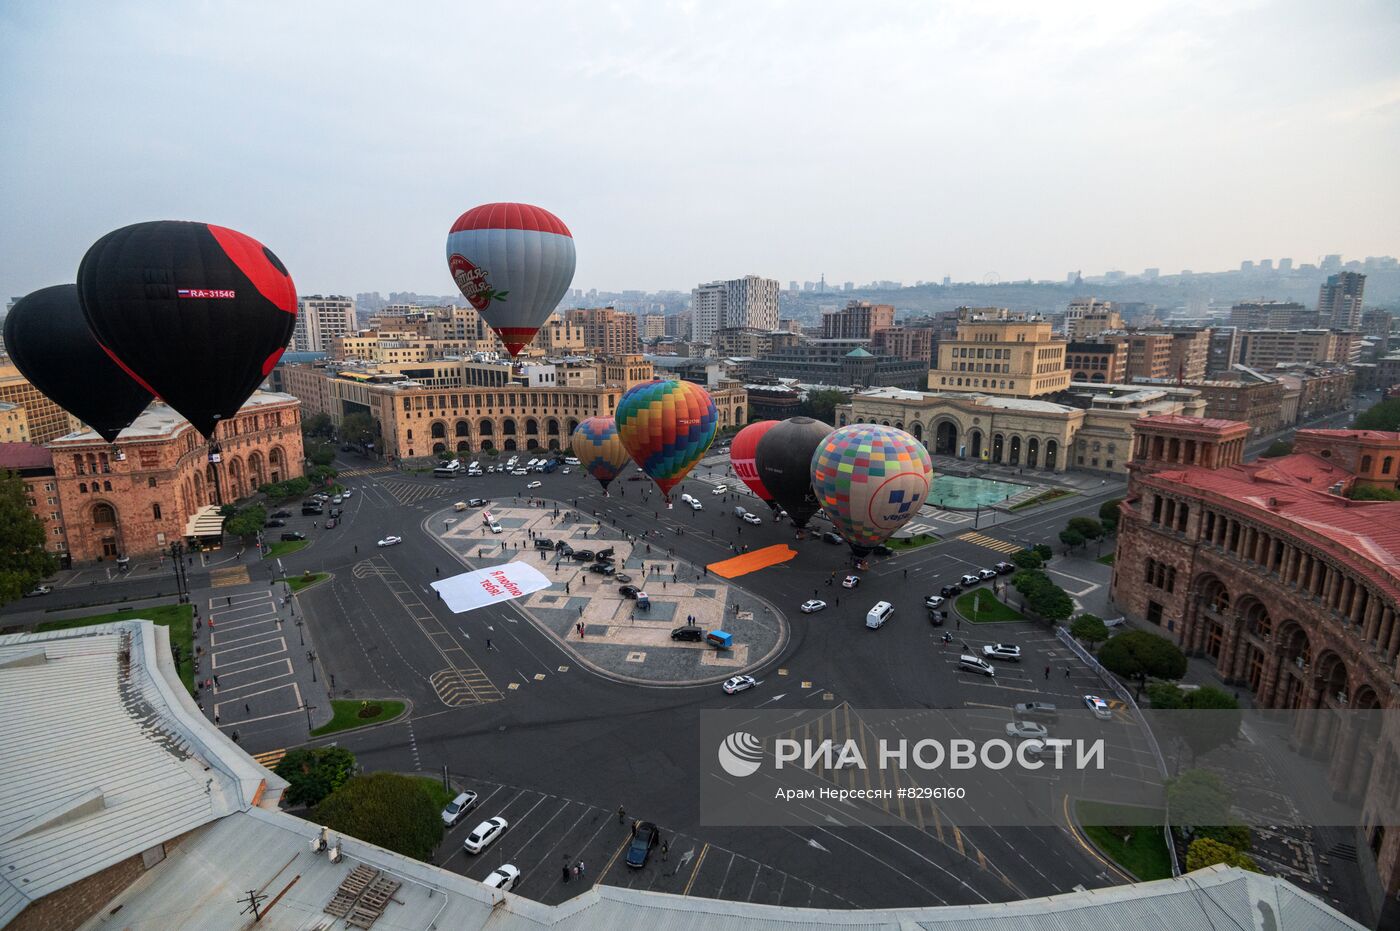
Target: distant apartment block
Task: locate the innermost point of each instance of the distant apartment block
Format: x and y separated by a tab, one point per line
1267	348
321	320
1339	301
913	344
750	302
1272	315
1097	362
606	330
857	320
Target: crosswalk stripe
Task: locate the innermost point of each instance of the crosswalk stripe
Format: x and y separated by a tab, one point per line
222	578
351	473
991	543
271	758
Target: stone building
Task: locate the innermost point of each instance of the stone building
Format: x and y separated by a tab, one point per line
1001	356
1102	362
1288	587
136	496
857	320
34	464
606	330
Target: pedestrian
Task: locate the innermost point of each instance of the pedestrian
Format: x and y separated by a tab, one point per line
634	829
216	719
488	643
838	601
437	570
580	868
665	850
959	623
580	610
216	678
576	871
620	814
566	872
235	736
357	547
906	573
246	709
1066	672
1047	672
230	601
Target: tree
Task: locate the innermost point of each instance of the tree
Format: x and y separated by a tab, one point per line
1205	852
1089	628
321	454
1360	492
1215	720
1108	511
1277	448
1136	653
1382	416
1235	835
1027	559
246	522
396	812
317	425
1072	539
1197	796
357	428
23	560
1044	551
1042	596
1166	696
1090	528
821	403
313	773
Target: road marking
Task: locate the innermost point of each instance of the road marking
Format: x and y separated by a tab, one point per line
271	758
1088	847
613	859
806	683
699	861
513	686
991	543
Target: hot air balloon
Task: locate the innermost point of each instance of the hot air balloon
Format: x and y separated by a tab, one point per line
666	427
784	462
741	457
513	262
198	314
599	449
871	480
48	338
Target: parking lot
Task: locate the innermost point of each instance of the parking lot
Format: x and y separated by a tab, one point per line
249	650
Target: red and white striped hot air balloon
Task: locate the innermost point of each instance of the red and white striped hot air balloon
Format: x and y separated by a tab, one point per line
513	262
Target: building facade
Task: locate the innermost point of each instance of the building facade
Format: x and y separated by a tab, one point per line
1339	301
751	302
844	363
1010	358
1272	315
1290	589
1267	348
34	465
44	420
1086	318
606	330
136	496
857	320
1149	354
913	344
320	320
707	305
1097	362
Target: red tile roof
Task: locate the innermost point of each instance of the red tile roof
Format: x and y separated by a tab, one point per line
1349	434
1213	424
24	456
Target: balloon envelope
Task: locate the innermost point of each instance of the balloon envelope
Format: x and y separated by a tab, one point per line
784	463
50	342
871	480
666	427
513	262
197	313
741	457
599	449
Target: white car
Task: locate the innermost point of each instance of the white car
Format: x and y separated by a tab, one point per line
519	471
565	471
338	500
933	601
571	460
390	541
719	489
458	807
1100	707
986	575
969	580
40	590
752	518
347	493
850	581
1026	730
813	606
484	834
696	505
1007	651
739	684
503	877
495	527
533	485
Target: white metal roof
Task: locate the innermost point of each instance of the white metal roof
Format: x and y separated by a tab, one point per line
103	755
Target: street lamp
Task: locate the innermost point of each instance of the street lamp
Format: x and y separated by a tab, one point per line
301	633
308	708
311	658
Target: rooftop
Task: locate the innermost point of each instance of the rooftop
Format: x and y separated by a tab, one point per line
18	456
159	420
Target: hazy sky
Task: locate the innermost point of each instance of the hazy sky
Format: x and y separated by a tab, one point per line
691	141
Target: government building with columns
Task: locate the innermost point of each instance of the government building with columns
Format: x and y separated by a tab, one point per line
1288	586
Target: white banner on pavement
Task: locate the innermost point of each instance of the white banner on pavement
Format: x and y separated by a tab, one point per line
472	590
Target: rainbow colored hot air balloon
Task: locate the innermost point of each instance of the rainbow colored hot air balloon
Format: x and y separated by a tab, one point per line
870	479
741	457
666	427
513	262
599	449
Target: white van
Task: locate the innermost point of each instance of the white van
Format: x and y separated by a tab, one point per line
475	466
876	617
977	664
570	460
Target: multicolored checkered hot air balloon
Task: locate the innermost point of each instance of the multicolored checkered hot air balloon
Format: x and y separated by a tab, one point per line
666	427
513	262
870	479
599	449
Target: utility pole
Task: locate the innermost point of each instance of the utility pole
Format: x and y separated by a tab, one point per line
254	899
308	708
311	658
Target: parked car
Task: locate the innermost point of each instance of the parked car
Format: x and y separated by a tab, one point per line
321	496
968	581
535	484
458	807
739	684
880	549
39	591
695	505
1037	709
850	581
347	493
719	489
1100	707
495	527
336	512
582	555
970	663
484	834
986	575
280	514
503	877
622	577
1005	568
752	518
477	502
1026	730
644	838
293	535
390	541
1007	651
544	544
933	601
602	568
813	606
337	500
948	591
275	523
606	554
832	537
688	634
628	591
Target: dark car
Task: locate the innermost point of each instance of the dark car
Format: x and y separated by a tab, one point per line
581	555
1004	568
622	577
628	591
936	617
606	553
542	544
833	537
644	838
293	535
948	591
335	512
331	523
308	510
689	633
275	523
602	568
636	478
277	514
881	549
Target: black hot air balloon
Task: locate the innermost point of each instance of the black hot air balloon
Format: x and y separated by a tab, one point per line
197	313
784	463
48	338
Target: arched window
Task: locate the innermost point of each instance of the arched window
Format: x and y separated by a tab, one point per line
1365	463
82	487
103	513
1386	464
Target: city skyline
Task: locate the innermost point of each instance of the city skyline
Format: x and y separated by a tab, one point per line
1022	143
